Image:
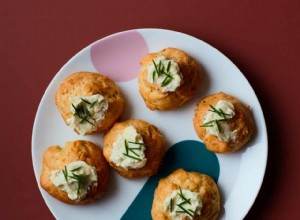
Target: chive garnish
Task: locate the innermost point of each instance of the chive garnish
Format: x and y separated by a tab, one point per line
86	111
216	122
155	67
185	210
183	197
194	212
65	172
75	169
214	109
171	205
126	146
80	181
223	113
86	101
169	65
132	151
129	150
153	75
136	148
75	109
208	124
166	81
218	126
131	142
93	104
82	112
85	120
159	70
219	112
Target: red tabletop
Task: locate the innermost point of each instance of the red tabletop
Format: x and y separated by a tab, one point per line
260	37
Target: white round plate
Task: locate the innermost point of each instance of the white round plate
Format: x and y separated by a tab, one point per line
117	56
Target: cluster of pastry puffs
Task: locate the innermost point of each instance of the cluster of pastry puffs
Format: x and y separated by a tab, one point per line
90	103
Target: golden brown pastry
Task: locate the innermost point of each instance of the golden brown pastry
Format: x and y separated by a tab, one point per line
186	195
223	123
134	148
168	79
75	174
89	102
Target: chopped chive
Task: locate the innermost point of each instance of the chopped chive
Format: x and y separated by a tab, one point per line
65	172
86	101
126	146
220	113
182	203
171	205
74	177
223	119
85	120
86	111
168	74
75	169
159	70
78	187
75	109
82	111
80	181
223	113
155	67
218	126
186	211
208	124
194	212
159	66
131	142
169	65
92	104
153	75
214	109
183	197
166	81
180	190
132	151
136	148
162	70
180	211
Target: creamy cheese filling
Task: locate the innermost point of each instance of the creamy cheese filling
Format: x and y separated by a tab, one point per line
128	149
87	113
75	179
165	73
183	203
216	121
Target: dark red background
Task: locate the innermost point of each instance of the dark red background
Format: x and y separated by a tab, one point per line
260	37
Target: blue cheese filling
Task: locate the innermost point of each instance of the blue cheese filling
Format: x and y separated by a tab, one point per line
165	73
183	204
76	179
87	113
128	149
216	121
